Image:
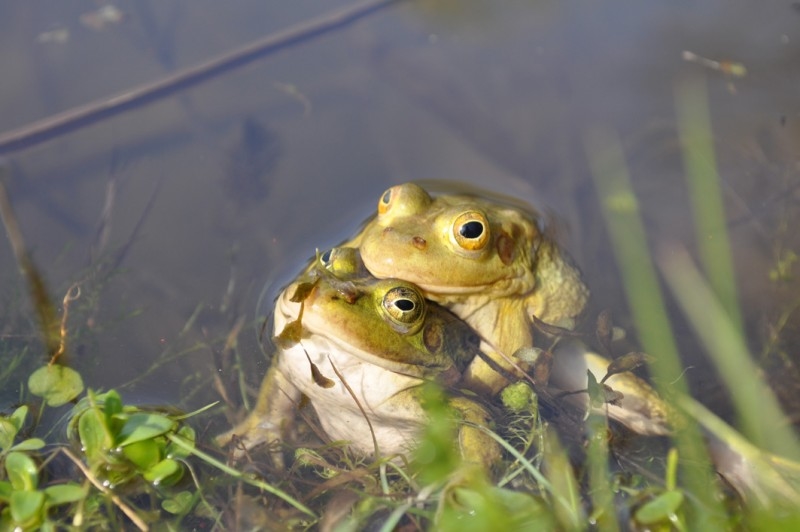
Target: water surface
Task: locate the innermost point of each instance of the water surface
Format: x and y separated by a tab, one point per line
237	181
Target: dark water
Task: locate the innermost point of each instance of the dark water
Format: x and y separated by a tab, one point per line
238	180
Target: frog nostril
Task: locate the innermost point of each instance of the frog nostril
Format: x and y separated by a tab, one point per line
419	242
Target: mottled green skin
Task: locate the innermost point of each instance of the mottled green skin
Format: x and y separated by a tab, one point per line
347	327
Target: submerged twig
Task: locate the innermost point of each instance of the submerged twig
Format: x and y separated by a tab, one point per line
81	116
127	510
41	300
72	294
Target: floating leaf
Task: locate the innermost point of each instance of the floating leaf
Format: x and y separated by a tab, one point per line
18	417
143	426
57	384
662	508
26	508
22	471
145	453
94	435
31	444
179	504
112	407
64	494
7	434
166	472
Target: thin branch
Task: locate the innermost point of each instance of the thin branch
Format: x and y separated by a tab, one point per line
127	510
84	115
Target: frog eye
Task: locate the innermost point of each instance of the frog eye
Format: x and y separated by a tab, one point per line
385	202
403	200
405	309
471	230
325	259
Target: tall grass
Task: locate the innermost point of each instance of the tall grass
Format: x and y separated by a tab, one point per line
710	303
621	211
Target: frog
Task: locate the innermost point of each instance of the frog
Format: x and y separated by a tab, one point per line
636	404
361	349
490	263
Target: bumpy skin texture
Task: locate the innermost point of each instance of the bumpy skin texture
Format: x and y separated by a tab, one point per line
383	351
488	263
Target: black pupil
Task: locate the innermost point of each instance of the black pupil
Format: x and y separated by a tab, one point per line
325	257
404	304
386	198
471	229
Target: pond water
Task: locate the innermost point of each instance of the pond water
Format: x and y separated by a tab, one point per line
229	186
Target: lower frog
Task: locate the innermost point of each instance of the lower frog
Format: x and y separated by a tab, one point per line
360	351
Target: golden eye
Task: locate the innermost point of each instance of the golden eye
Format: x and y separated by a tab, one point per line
471	230
385	202
405	309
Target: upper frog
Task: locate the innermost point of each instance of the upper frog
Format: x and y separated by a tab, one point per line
357	346
490	263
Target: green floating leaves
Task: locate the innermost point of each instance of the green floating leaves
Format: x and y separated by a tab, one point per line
144	426
10	426
26	508
64	494
94	436
57	384
22	471
18	417
145	453
7	434
166	473
31	444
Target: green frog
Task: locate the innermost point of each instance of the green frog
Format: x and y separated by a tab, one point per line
491	264
359	349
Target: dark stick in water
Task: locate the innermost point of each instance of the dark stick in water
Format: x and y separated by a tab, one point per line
84	115
48	320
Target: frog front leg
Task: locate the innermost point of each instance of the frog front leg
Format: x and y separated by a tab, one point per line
269	420
474	444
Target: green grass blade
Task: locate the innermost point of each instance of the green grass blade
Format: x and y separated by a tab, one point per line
189	447
702	178
621	211
761	418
